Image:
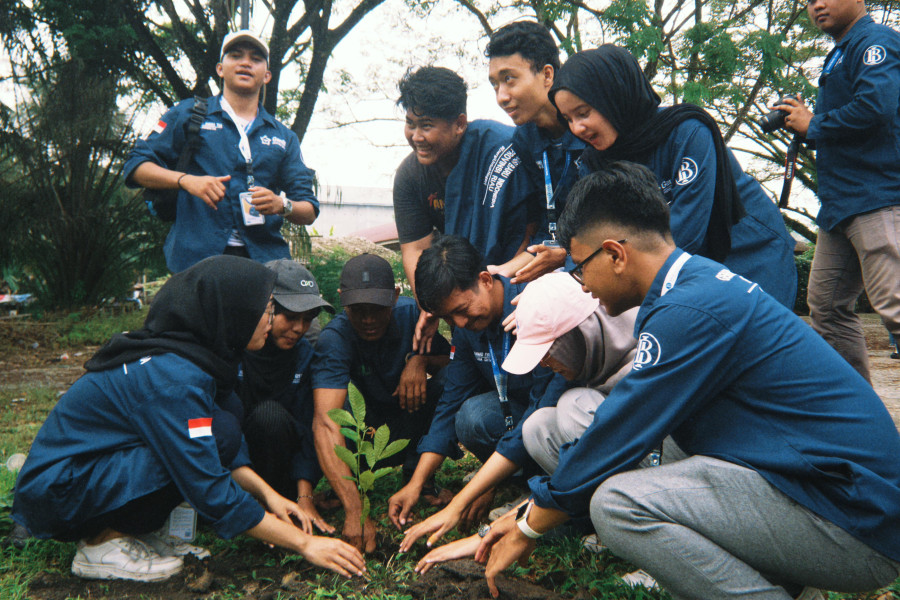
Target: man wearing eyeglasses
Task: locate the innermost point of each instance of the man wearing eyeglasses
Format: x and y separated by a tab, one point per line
791	479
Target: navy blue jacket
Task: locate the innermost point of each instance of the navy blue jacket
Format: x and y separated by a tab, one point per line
762	250
120	434
470	373
297	399
530	143
731	374
856	126
373	367
199	231
486	192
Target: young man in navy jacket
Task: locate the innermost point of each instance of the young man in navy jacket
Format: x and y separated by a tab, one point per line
482	406
523	62
792	478
856	131
243	152
370	344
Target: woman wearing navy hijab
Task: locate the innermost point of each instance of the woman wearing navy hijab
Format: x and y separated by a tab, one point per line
142	431
717	210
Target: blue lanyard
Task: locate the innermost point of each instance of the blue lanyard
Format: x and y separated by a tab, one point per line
833	61
551	197
500	377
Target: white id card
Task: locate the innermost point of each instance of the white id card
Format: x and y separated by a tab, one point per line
183	522
251	215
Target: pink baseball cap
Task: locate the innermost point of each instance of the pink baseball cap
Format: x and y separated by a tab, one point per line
549	307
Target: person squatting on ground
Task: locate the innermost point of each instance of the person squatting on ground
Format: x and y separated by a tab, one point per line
370	344
462	178
274	400
856	132
482	407
142	431
243	152
524	60
717	210
792	478
561	327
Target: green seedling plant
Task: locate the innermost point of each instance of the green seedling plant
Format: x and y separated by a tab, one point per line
370	448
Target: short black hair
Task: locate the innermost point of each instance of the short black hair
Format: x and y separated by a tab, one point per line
451	263
528	38
434	92
620	193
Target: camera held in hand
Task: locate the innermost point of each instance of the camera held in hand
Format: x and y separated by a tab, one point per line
775	119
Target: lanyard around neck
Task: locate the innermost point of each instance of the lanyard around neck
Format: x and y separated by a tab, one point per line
551	197
244	143
500	378
836	55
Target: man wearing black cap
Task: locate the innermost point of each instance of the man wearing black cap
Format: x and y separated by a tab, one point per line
370	344
275	392
246	176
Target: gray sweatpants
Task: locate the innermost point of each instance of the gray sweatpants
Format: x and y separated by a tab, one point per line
547	429
709	529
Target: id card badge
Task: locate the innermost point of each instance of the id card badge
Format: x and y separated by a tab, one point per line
183	522
251	215
551	243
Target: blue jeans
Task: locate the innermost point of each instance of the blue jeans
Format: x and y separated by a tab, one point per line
480	423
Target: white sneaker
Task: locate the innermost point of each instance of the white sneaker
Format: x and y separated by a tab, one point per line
502	510
640	577
810	593
169	545
592	544
123	558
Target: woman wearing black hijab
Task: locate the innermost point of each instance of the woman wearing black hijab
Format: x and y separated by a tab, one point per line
141	431
717	210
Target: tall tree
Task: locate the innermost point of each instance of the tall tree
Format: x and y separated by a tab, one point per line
170	49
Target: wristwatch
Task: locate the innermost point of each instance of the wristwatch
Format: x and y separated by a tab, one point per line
287	205
522	521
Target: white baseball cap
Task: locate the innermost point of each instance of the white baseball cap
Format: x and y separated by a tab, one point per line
244	35
550	307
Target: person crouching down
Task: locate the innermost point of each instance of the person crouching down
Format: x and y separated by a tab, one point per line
142	431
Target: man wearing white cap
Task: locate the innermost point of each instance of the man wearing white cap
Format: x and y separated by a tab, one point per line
559	326
246	175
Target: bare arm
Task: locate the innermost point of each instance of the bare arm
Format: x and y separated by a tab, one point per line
208	188
496	469
329	553
326	435
405	499
409	253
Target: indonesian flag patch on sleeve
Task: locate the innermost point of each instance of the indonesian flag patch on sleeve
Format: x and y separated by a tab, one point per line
159	127
200	427
452	352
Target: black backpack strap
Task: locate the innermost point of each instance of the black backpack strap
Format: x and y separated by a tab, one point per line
192	140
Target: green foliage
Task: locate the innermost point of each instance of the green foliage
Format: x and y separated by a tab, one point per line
803	263
370	446
75	231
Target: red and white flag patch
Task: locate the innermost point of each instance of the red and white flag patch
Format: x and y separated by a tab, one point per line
452	352
159	127
199	427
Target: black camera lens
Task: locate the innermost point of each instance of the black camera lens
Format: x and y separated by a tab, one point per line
775	119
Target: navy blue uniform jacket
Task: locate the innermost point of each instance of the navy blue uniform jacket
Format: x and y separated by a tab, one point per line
123	433
731	374
199	231
530	144
470	373
856	127
762	250
373	367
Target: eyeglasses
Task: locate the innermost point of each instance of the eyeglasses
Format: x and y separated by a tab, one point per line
577	272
